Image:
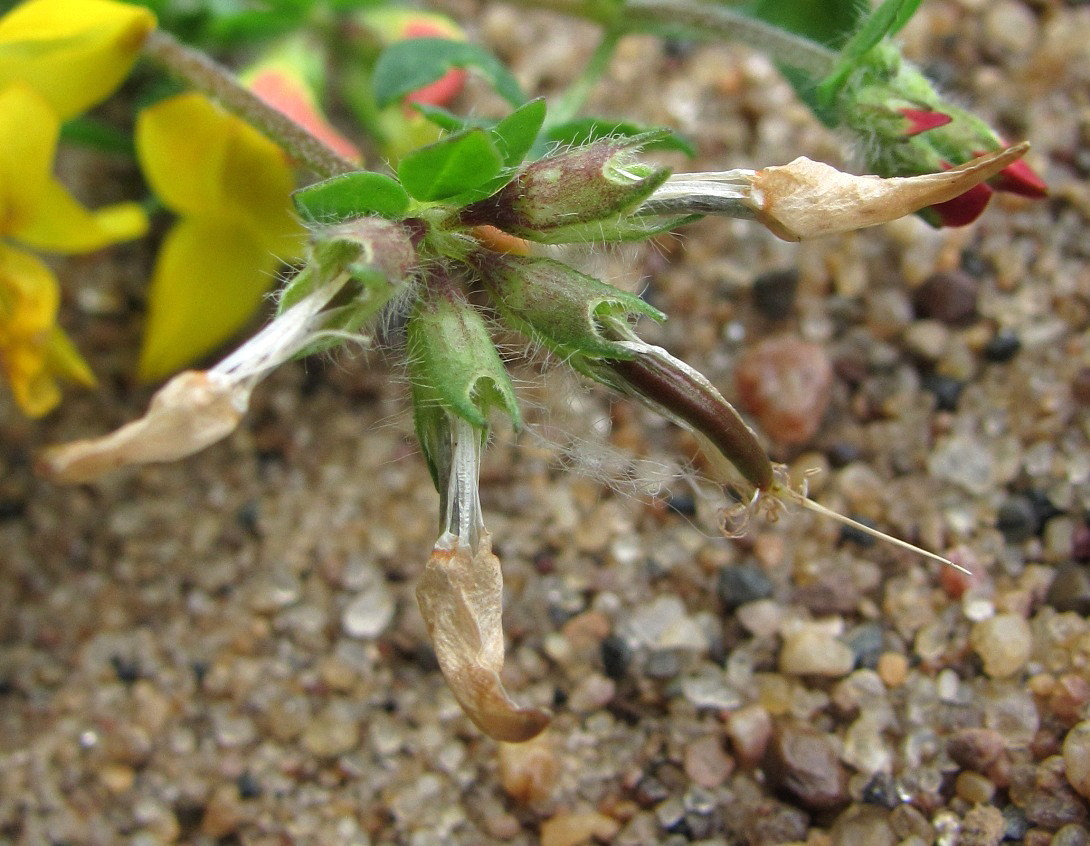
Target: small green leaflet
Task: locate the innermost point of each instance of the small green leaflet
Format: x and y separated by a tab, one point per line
415	62
458	163
514	135
351	195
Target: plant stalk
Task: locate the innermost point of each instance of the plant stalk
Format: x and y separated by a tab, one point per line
213	79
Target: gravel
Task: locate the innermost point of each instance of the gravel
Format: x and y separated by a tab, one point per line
228	648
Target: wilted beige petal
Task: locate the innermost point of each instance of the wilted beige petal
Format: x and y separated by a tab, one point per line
461	599
808	199
191	411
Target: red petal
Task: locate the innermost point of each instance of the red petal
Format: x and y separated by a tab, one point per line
449	85
921	120
1019	178
963	209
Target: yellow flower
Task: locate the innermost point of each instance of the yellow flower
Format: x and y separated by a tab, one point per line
231	187
37	210
74	52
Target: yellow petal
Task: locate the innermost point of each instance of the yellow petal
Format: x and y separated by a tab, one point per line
64	360
28	306
75	52
63	225
209	278
28	138
202	161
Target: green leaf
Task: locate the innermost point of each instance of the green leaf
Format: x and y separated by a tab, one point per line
351	195
829	22
459	163
581	131
411	64
441	117
516	133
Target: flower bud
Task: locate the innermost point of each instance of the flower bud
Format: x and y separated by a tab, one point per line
908	129
564	309
575	195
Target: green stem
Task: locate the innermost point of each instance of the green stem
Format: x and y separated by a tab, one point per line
578	92
211	78
700	19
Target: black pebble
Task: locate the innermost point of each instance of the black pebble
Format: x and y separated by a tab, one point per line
742	583
1003	346
616	657
947	391
1017	519
774	293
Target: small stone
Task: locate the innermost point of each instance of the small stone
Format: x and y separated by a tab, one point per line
223	813
1003	642
706	763
862	825
761	618
983	826
1076	757
1017	519
1071	835
331	733
892	669
1003	347
804	762
749	730
975	748
974	788
592	693
774	293
785	383
528	771
812	652
927	340
946	390
948	296
616	657
1011	27
575	829
742	583
369	612
1070	589
1080	386
867	642
117	778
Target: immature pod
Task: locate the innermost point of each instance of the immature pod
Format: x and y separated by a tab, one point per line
559	306
557	199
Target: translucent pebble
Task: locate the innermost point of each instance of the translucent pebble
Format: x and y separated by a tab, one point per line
1003	642
369	613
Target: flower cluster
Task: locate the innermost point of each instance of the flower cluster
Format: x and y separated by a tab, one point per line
57	58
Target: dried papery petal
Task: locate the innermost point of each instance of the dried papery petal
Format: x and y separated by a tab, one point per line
808	199
461	599
191	411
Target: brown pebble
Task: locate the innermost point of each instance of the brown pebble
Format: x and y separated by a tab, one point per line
528	771
984	825
1076	755
804	762
749	730
223	813
975	748
892	668
118	778
574	829
1071	835
863	825
1080	386
949	296
706	763
785	383
974	788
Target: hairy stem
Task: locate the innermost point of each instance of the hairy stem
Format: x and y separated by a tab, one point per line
211	78
700	19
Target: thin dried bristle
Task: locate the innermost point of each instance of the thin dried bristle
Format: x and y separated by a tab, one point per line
818	508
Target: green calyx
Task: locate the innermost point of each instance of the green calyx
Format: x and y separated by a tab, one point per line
452	361
580	194
564	309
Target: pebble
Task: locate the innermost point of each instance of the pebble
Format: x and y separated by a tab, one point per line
975	748
862	825
1002	347
774	292
529	771
742	583
804	762
223	813
706	764
577	828
331	733
1071	835
892	669
1070	589
812	652
616	657
749	729
983	826
118	778
1011	26
1017	519
974	788
949	296
927	339
369	612
1003	642
785	383
1076	757
592	693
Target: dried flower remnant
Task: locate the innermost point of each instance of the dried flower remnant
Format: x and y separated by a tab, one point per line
807	199
461	599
